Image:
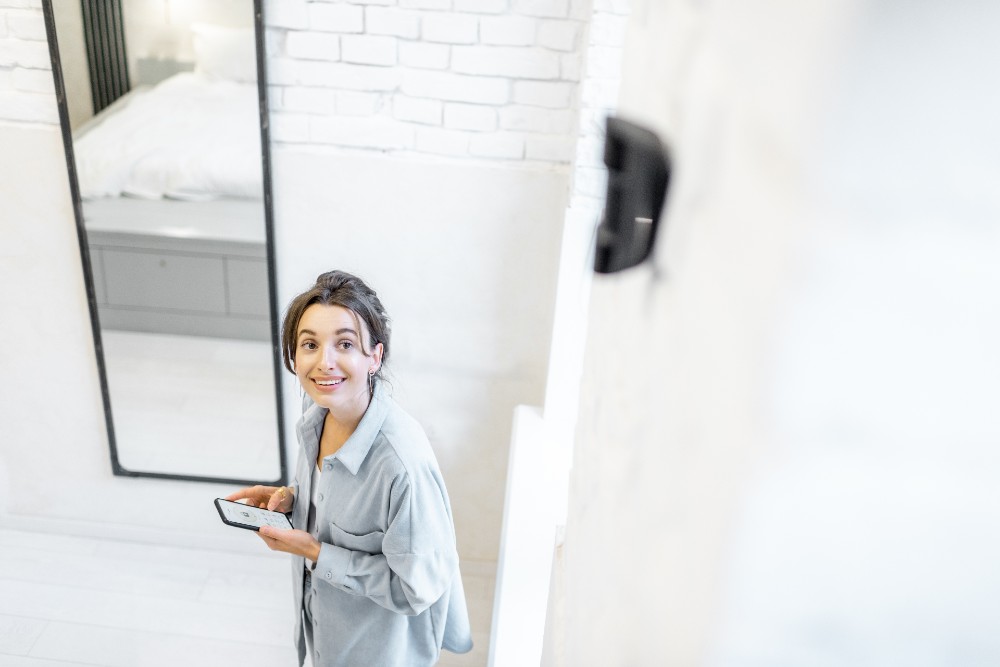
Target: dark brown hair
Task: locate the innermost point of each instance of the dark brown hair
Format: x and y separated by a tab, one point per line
338	288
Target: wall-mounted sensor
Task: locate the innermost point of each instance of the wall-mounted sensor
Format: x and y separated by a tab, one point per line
638	175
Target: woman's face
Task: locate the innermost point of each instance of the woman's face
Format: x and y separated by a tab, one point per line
330	361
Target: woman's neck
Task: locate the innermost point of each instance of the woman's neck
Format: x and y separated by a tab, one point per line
342	423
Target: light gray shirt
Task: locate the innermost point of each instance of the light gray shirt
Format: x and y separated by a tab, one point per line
386	588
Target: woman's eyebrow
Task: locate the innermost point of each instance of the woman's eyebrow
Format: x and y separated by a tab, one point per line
338	332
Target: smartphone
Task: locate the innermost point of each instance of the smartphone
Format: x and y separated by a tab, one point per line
250	517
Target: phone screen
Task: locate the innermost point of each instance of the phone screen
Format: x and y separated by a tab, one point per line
248	516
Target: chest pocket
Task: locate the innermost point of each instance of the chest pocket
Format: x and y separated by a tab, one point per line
370	543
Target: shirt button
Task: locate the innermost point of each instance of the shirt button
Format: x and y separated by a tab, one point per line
321	496
328	466
329	575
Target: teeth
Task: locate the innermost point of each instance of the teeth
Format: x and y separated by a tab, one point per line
327	383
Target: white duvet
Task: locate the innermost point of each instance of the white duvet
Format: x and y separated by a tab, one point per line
188	137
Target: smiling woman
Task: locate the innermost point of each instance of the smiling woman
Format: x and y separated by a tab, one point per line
332	363
375	569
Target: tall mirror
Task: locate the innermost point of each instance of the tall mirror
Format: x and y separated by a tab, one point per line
163	105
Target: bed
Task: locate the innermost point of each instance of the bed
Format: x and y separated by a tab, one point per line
171	185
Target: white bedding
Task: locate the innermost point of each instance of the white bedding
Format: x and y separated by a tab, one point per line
189	137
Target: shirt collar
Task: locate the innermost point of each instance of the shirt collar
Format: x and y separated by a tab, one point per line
353	452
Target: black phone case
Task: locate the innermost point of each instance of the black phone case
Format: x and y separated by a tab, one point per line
222	515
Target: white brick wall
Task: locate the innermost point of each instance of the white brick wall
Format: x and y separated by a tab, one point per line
336	18
482	79
604	35
313	45
314	100
368	49
392	21
457	87
494	79
476	117
504	145
427	112
450	28
15	52
553	8
354	103
515	63
426	4
508	30
481	6
26	25
287	14
423	55
27	91
551	94
558	35
442	142
570	67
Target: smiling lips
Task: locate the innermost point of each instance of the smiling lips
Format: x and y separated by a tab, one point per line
327	384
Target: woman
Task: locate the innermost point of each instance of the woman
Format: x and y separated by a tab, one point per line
375	569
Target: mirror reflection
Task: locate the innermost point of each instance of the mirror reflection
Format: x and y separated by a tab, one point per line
163	104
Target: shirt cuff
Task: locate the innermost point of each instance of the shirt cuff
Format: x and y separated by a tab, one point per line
331	566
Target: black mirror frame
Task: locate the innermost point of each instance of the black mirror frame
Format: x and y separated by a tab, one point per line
60	89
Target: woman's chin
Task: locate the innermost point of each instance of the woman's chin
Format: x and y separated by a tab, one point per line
342	398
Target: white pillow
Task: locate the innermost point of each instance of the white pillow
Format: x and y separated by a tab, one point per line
225	53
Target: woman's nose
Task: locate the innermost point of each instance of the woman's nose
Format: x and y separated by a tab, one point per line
329	354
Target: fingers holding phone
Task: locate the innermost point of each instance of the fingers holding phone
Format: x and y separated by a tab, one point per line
253	495
297	542
274	498
281	500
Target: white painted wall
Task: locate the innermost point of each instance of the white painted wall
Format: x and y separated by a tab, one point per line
428	146
785	451
463	258
531	568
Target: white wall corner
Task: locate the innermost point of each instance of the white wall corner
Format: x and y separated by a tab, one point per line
527	542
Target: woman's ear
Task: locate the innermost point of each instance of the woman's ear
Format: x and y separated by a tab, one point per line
377	354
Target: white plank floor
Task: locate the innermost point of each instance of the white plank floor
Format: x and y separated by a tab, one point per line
72	601
80	601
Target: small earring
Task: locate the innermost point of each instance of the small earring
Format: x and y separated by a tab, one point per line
371	374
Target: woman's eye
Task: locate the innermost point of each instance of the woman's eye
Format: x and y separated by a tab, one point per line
346	345
308	345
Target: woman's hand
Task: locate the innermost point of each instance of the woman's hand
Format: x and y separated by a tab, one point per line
275	498
297	542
